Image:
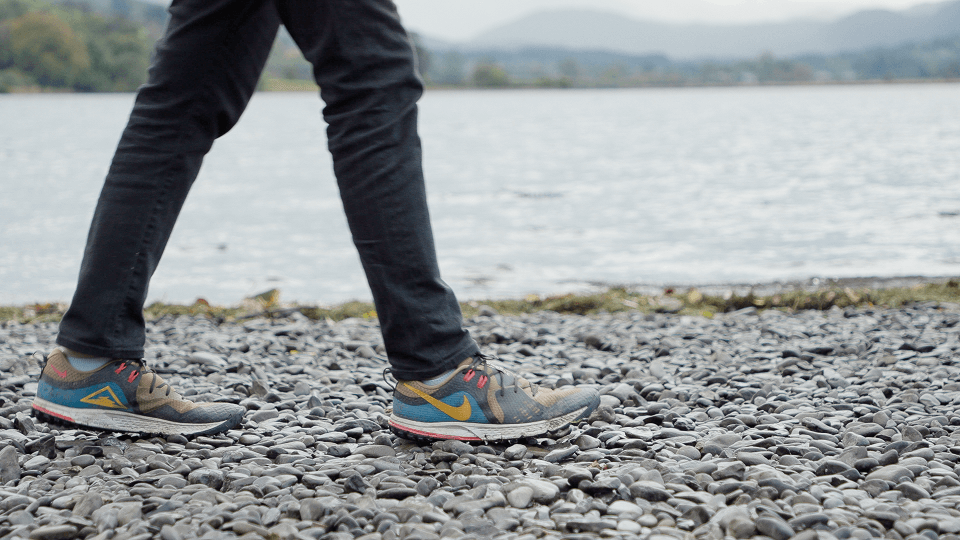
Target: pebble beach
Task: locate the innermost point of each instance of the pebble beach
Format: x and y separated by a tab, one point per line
751	424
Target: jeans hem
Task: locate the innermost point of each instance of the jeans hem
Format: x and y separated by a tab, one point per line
453	361
98	351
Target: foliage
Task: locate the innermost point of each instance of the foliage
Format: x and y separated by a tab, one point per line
68	49
44	46
490	75
14	79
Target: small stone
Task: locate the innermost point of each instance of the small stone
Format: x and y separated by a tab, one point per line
9	465
889	457
264	415
543	491
83	460
455	447
774	528
698	514
752	458
54	532
809	521
87	504
831	466
515	452
397	493
649	491
355	483
741	527
208	477
312	509
520	497
624	508
36	463
426	486
913	491
376	451
560	454
892	473
853	439
586	442
911	434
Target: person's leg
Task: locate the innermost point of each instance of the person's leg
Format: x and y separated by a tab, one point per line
205	70
366	69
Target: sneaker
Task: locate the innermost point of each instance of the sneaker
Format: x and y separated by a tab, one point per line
482	401
124	395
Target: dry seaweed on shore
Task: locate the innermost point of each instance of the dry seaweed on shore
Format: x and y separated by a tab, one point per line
684	301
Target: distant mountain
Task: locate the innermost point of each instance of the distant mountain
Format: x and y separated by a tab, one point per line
577	29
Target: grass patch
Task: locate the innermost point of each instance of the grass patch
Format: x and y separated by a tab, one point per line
289	85
684	302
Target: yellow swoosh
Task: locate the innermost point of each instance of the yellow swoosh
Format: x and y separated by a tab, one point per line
461	413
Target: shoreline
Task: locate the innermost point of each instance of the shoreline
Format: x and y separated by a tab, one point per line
705	300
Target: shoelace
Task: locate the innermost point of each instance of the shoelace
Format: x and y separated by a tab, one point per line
480	361
144	370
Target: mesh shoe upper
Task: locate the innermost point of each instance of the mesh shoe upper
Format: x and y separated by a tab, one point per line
123	387
481	391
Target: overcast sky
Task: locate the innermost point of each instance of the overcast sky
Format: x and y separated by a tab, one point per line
461	20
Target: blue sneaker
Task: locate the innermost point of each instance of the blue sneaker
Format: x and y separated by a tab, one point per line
124	395
482	401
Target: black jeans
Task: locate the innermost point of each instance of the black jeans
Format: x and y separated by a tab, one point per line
205	70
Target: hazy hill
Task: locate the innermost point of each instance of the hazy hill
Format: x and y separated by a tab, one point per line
577	29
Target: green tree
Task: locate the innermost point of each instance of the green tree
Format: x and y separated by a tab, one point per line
119	53
12	9
45	47
490	75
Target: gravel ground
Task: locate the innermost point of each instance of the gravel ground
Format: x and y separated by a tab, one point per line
839	424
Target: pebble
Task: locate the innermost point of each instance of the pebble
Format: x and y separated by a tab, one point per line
747	423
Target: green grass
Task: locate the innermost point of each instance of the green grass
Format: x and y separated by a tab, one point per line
288	85
685	302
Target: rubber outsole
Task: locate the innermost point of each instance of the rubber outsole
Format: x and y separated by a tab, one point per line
463	431
123	421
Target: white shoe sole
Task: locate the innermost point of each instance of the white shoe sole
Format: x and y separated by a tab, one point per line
465	431
123	421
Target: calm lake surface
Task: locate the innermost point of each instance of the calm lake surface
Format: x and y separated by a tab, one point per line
530	191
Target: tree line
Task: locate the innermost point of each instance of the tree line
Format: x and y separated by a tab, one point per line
69	47
48	47
535	67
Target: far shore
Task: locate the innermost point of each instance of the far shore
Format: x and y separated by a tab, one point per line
702	300
300	85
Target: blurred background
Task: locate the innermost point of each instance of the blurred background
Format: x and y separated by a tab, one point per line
569	146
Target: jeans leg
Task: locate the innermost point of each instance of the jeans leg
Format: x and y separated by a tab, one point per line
364	63
205	70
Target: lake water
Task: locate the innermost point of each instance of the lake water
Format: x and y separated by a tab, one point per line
530	191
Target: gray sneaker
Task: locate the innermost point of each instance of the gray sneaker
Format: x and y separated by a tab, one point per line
124	395
483	401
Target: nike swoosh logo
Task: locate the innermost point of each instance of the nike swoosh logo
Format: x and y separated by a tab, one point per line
62	374
460	414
